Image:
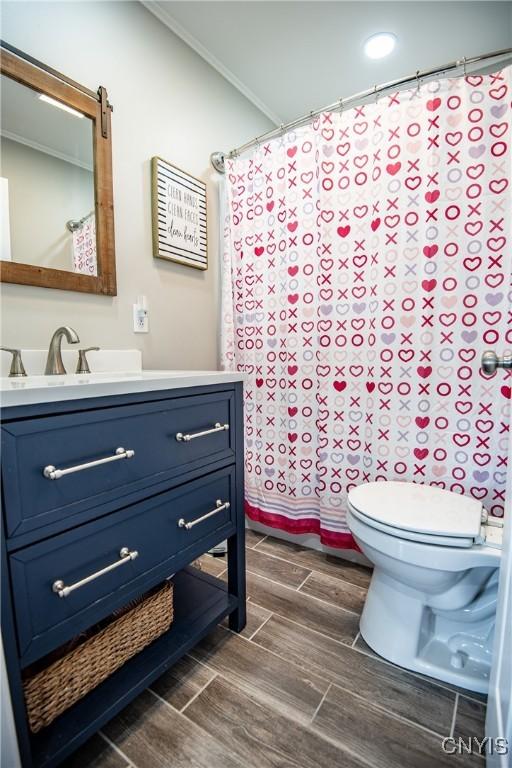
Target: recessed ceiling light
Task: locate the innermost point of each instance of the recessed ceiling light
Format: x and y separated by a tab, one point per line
59	104
380	45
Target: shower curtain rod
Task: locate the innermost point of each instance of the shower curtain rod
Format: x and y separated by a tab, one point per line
218	158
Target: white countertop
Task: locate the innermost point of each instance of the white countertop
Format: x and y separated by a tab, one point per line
51	389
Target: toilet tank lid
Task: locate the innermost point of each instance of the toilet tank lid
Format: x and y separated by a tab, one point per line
421	508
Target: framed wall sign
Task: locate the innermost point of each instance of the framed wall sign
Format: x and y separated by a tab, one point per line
179	215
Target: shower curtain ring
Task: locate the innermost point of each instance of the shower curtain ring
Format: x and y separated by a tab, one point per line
341	105
375	93
418	80
464	66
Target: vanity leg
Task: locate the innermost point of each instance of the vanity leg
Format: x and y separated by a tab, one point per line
236	543
236	579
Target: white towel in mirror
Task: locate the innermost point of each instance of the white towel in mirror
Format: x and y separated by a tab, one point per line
84	247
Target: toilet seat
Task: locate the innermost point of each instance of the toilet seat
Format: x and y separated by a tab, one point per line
420	513
423	538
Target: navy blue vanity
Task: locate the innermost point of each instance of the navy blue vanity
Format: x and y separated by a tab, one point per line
146	480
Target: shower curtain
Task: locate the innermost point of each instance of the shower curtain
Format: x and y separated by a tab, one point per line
366	267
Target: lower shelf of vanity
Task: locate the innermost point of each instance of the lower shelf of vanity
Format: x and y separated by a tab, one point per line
200	603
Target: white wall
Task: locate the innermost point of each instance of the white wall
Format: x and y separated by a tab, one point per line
168	102
44	193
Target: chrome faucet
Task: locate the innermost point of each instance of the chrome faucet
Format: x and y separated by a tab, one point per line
54	364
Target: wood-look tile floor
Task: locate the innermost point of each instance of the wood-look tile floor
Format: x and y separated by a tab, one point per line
298	688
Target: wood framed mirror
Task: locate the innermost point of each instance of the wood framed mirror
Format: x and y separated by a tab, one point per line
55	179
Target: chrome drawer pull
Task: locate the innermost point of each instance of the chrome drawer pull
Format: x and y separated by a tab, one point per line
63	591
53	474
220	506
181	438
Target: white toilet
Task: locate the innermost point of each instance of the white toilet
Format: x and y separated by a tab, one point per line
432	599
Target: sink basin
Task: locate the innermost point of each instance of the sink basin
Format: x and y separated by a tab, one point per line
44	389
78	379
116	372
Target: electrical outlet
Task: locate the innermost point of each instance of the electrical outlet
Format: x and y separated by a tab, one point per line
140	316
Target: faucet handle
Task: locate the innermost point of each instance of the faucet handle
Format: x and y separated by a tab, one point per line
17	367
82	365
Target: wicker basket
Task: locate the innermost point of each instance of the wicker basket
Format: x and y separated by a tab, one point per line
57	687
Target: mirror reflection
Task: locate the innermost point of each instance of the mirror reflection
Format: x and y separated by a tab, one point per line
46	182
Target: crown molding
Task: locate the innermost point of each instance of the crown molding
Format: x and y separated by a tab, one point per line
44	148
166	18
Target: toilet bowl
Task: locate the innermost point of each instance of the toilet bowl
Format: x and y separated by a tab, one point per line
431	602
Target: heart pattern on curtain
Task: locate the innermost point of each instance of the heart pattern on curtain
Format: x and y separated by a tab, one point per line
366	267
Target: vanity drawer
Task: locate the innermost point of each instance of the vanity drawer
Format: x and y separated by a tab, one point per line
161	440
166	532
